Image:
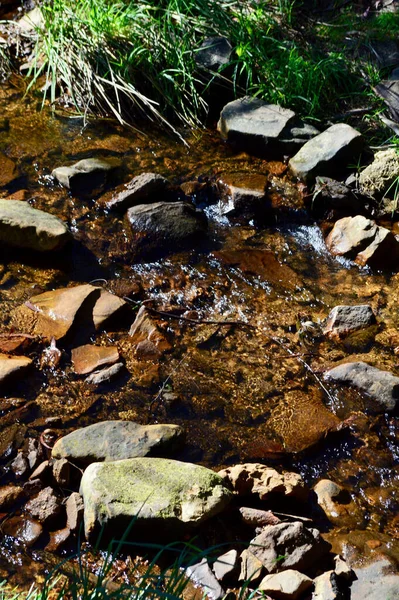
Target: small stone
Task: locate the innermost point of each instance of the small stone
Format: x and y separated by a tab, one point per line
202	576
88	177
244	197
213	53
337	504
46	507
62	472
99	377
147	187
342	569
58	539
342	320
10	495
12	366
226	564
20	465
25	530
255	517
88	358
288	585
74	510
42	471
145	329
251	567
326	587
33	487
106	307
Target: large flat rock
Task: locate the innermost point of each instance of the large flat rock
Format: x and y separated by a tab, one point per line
12	366
116	440
159	494
327	152
22	226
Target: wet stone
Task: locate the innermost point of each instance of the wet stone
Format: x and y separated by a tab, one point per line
144	329
74	510
99	377
145	188
288	585
11	439
244	197
342	320
22	226
10	495
20	465
58	539
203	577
12	366
24	529
337	504
46	507
116	440
88	358
88	176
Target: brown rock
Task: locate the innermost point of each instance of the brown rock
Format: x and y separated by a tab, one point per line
147	350
88	358
74	509
147	187
8	170
62	472
33	487
58	540
288	585
25	530
20	465
251	567
12	366
10	495
46	507
144	328
255	478
255	517
338	504
42	471
106	307
11	342
11	438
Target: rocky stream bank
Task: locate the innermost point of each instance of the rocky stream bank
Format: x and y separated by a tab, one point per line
203	341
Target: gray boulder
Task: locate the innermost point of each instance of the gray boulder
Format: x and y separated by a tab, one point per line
376	581
288	546
380	176
145	188
160	495
87	177
365	242
214	52
254	125
342	320
116	440
288	585
327	152
331	195
226	565
381	386
164	227
22	226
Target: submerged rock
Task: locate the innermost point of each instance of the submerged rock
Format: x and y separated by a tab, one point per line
10	495
381	386
88	176
288	585
156	493
254	125
99	377
337	504
12	366
144	330
145	188
381	176
116	440
22	226
88	358
342	320
24	529
365	242
327	152
165	227
244	197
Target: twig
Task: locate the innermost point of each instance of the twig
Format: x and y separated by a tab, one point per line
198	321
165	383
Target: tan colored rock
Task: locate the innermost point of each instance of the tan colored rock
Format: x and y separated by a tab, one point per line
12	366
88	358
377	178
251	567
255	478
145	328
106	306
58	539
288	585
10	495
338	505
74	509
27	531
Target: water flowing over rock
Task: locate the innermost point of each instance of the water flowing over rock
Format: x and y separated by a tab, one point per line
22	226
254	125
381	386
244	197
288	585
379	178
337	504
342	320
88	358
99	377
116	440
165	227
327	152
145	188
12	366
157	493
88	176
365	242
23	528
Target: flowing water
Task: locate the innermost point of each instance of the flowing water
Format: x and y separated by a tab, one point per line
245	392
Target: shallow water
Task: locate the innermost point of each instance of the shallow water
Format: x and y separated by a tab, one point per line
243	393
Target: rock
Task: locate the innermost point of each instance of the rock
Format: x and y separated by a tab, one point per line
22	226
74	510
342	569
33	487
116	440
255	478
337	504
62	472
165	227
203	577
88	358
20	465
88	176
251	567
8	170
244	197
145	188
11	439
13	366
332	195
380	176
45	507
295	135
363	241
99	377
226	565
253	125
55	311
343	320
58	540
376	581
326	587
106	306
327	152
255	517
27	531
381	386
288	585
388	90
10	495
289	546
144	329
42	471
160	494
214	53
